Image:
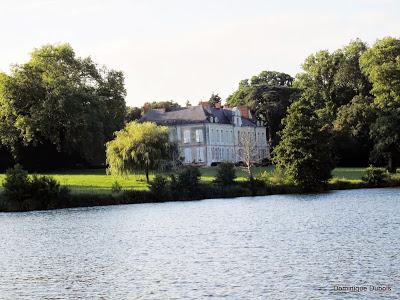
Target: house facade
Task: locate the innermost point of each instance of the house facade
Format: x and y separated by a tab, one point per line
208	134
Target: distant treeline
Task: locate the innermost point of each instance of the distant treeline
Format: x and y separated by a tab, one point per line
58	110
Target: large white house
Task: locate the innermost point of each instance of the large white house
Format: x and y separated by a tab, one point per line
208	134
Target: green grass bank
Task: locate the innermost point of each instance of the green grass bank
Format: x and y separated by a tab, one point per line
98	182
94	187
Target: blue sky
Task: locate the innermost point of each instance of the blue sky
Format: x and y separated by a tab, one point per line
186	50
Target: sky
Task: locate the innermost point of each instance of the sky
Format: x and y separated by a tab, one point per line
185	49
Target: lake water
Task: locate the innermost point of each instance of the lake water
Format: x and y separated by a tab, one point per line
273	247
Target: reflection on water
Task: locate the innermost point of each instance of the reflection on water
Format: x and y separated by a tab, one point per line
274	247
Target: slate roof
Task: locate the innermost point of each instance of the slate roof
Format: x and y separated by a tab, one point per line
192	115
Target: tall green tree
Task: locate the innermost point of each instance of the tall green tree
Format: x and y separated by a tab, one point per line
139	147
337	77
167	105
61	100
305	153
268	95
352	130
214	99
381	63
133	113
385	133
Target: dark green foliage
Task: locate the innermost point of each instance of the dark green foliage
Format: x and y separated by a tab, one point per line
159	186
336	76
133	114
345	93
214	99
381	63
352	131
39	192
268	95
46	193
375	176
60	100
167	105
188	179
226	173
16	184
6	160
304	153
385	133
182	186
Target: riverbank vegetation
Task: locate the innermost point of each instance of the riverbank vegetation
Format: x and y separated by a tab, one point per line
45	192
97	181
59	110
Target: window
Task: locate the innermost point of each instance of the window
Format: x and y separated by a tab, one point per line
188	155
186	136
199	135
200	154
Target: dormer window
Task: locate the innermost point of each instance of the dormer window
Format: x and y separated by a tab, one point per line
216	119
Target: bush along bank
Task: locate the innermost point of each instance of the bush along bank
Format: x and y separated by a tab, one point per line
24	193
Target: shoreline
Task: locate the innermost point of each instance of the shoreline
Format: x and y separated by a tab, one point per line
235	191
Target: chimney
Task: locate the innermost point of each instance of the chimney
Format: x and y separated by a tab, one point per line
244	110
205	104
146	107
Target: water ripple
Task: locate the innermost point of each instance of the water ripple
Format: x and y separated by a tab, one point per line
275	247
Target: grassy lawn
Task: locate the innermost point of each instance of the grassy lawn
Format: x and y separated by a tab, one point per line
96	181
348	173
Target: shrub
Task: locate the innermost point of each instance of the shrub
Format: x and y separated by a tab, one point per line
276	177
375	176
304	152
225	173
189	178
265	176
159	186
185	183
173	182
116	188
46	193
16	185
36	193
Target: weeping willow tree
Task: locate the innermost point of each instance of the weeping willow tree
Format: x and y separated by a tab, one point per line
139	147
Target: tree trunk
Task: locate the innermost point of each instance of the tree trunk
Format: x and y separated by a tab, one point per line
249	171
391	164
147	175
